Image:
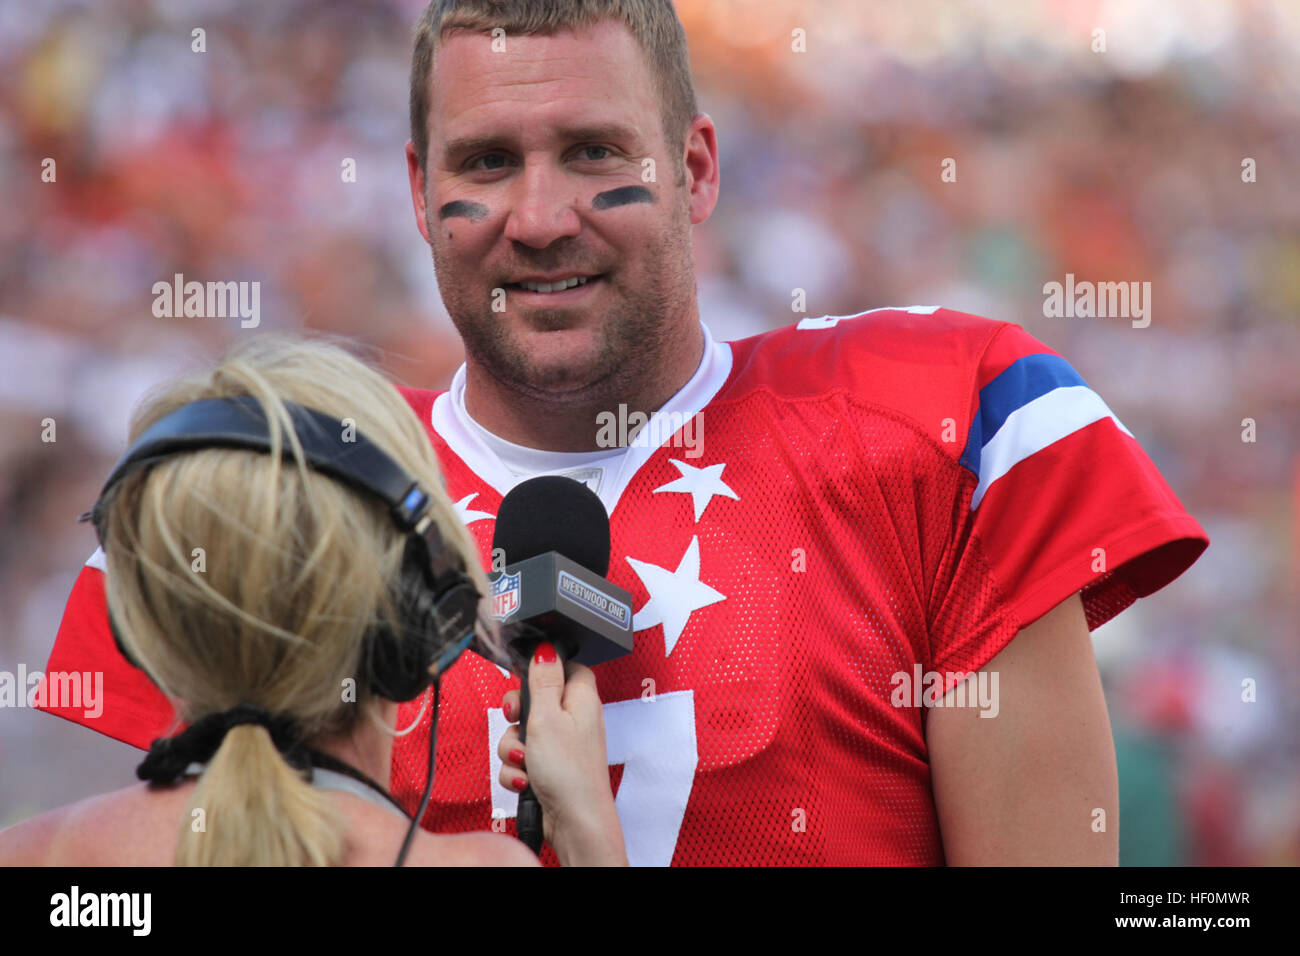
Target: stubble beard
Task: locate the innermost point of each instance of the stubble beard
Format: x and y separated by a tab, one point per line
632	338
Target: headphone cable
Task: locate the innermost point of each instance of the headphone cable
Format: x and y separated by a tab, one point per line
428	786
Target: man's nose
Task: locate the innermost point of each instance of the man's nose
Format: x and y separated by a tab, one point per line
543	208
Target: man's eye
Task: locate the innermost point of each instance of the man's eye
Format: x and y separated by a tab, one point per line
488	162
586	151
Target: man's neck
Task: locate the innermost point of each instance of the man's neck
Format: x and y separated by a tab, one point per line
567	426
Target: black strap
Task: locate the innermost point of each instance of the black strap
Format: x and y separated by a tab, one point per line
325	762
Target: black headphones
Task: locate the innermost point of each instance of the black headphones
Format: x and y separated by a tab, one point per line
437	602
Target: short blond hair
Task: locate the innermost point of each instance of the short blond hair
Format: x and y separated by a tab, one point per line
653	23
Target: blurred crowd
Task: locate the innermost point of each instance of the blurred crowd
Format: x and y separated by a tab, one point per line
1119	157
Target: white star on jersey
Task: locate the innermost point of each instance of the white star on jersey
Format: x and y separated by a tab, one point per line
674	595
468	517
700	483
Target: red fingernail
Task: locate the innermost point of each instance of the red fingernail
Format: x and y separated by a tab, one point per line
519	783
517	757
545	653
510	711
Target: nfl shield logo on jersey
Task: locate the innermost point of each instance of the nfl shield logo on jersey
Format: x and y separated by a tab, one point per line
505	596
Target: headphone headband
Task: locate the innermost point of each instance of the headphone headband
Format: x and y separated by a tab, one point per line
239	422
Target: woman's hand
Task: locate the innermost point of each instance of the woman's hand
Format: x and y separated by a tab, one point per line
565	761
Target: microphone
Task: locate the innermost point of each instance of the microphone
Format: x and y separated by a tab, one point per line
554	534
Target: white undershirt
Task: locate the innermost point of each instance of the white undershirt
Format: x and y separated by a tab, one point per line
588	467
597	469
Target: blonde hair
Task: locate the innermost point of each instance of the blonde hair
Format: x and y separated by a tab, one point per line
653	23
239	577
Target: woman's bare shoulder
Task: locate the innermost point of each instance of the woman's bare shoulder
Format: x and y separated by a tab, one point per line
116	828
471	849
138	826
376	836
28	843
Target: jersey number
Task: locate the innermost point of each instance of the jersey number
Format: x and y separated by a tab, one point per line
654	740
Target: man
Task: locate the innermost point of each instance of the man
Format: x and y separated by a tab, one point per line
854	514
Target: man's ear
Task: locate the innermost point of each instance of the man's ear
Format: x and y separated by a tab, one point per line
416	176
700	157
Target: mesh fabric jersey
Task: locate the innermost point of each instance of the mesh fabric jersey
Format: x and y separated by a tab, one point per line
869	495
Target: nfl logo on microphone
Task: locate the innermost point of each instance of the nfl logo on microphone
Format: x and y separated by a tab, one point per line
505	595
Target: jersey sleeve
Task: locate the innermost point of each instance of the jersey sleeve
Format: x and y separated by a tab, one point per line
1064	501
133	709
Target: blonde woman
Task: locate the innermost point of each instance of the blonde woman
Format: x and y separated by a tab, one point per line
263	643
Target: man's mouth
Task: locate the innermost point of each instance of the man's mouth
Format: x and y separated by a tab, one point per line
555	285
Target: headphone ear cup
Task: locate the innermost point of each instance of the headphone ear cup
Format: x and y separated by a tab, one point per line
438	622
398	664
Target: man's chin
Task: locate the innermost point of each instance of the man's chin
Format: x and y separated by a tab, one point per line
566	379
558	337
563	364
545	322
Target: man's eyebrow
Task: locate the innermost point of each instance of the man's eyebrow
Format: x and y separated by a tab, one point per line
599	132
617	132
472	144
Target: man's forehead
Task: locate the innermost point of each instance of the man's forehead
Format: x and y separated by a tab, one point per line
589	66
608	39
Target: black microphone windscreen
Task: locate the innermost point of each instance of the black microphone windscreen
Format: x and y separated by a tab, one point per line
553	513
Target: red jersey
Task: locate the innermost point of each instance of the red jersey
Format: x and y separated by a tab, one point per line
824	514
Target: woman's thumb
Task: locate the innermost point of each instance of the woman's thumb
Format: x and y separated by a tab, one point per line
545	680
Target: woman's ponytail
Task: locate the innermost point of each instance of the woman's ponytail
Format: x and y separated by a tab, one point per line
251	808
